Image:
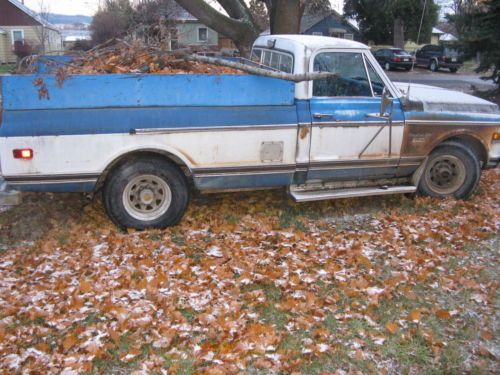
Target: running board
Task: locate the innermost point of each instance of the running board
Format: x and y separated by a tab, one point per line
318	195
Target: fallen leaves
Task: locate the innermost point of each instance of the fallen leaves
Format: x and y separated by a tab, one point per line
229	292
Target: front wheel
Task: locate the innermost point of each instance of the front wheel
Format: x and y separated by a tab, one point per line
452	170
146	193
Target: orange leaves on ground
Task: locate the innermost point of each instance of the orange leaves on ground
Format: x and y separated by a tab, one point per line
415	315
392	327
443	314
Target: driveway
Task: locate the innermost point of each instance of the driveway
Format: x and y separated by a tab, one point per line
465	82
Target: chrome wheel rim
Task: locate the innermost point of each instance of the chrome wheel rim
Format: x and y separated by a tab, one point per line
147	197
445	175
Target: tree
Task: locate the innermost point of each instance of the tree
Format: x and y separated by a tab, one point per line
483	36
113	19
242	25
377	18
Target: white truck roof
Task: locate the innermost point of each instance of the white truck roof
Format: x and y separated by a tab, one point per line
312	42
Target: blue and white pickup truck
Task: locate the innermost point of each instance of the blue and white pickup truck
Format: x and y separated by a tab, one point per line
146	140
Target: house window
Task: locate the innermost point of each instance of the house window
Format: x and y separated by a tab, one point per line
17	36
349	36
202	34
318	33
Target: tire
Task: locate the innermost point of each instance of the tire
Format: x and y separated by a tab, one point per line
453	70
452	170
433	66
408	69
387	66
146	193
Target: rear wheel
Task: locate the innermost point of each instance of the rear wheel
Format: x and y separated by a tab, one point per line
146	193
452	170
453	70
433	66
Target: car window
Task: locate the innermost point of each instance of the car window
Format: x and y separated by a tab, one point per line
452	52
351	78
377	83
256	55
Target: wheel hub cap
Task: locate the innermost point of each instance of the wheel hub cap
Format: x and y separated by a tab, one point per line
147	197
446	174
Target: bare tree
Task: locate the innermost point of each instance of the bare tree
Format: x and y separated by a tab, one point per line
240	25
41	31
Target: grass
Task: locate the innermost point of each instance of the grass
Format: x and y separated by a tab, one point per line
6	68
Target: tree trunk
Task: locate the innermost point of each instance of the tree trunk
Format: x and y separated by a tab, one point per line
284	16
242	30
399	33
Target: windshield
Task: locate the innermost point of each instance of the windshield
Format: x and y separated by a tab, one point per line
400	52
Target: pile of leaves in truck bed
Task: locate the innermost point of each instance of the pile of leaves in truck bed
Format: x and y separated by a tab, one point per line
136	57
254	283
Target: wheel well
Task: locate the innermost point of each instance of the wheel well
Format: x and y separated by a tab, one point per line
473	144
125	158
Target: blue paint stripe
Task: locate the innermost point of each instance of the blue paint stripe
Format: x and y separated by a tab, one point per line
129	90
122	120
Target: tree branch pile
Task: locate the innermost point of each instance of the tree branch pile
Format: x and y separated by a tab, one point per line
119	56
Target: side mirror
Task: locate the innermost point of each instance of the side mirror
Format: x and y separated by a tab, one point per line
385	102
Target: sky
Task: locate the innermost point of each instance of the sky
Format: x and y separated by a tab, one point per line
73	7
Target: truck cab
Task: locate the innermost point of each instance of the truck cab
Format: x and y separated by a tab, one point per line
142	140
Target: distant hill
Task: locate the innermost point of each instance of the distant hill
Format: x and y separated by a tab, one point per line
64	19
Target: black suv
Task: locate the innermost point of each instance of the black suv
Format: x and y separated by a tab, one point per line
436	57
390	58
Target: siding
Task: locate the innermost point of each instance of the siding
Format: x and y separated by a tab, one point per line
188	35
31	35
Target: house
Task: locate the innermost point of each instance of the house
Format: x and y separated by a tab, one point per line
330	24
20	26
192	33
436	35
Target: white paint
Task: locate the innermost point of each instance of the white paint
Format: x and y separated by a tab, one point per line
91	154
331	143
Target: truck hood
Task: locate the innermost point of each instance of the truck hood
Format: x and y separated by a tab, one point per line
435	99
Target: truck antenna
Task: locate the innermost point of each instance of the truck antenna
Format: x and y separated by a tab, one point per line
418	43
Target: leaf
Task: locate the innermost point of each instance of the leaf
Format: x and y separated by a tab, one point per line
392	327
415	315
69	341
85	287
486	335
443	314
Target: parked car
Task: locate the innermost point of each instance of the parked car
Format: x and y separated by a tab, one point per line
144	140
435	57
390	58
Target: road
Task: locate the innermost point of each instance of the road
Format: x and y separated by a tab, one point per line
465	82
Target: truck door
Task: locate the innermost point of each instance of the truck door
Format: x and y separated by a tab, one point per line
348	140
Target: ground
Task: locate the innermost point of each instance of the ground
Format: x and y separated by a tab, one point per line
254	283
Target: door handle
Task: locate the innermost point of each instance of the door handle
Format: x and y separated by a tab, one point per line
322	115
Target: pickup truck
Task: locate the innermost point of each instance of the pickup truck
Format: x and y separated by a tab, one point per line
146	141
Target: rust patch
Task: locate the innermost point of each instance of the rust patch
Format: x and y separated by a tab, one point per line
304	132
43	92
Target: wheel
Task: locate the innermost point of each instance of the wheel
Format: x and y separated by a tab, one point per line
387	66
453	70
434	66
146	193
408	68
452	170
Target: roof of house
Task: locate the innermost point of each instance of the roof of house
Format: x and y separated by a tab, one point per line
435	30
309	21
33	14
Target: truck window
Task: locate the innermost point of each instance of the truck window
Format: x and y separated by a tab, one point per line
273	59
377	83
351	79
